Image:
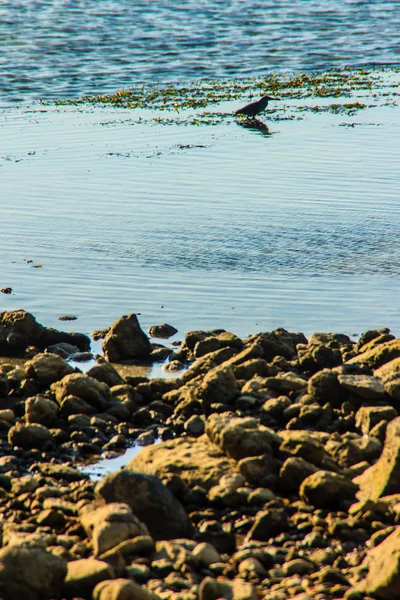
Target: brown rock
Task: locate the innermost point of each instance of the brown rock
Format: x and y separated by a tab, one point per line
94	392
47	368
121	589
126	340
324	489
149	499
30	573
365	386
29	436
196	461
383	478
83	575
369	416
383	562
378	355
239	437
39	409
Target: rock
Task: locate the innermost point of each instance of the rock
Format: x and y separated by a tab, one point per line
267	524
293	472
29	436
105	373
389	375
302	444
219	385
239	437
324	489
4	385
206	554
196	461
369	416
195	426
278	343
18	330
83	575
47	368
126	340
383	478
367	387
383	562
237	589
325	387
162	331
110	525
72	405
260	470
121	589
63	349
39	409
95	393
149	499
378	355
30	573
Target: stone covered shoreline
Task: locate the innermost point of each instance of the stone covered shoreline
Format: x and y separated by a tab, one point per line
276	472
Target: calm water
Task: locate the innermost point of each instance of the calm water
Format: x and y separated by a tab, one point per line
200	226
64	48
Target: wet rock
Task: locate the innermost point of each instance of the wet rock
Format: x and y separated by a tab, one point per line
29	436
83	575
162	331
39	409
383	478
368	417
30	573
325	489
239	438
88	389
63	350
196	461
383	563
149	499
47	368
121	589
105	373
110	525
18	330
72	405
126	340
367	387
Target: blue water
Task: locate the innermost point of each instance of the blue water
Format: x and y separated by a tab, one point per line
67	48
199	226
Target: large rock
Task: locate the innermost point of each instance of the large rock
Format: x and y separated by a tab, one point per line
293	472
389	375
83	575
29	436
19	329
378	355
47	368
325	387
149	499
196	461
39	409
110	525
278	343
324	489
367	387
303	444
369	416
219	385
126	340
237	437
383	478
30	573
121	589
383	562
94	392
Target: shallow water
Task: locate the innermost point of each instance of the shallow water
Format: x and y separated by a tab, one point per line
66	48
203	226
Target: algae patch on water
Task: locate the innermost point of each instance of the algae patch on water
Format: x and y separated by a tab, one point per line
370	85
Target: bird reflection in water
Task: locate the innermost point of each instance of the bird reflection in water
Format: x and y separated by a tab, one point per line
256	125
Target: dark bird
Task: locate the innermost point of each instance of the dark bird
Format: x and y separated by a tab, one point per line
254	108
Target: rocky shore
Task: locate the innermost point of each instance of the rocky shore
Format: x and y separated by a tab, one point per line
271	466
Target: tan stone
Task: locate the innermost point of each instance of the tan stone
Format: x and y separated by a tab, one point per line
196	461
